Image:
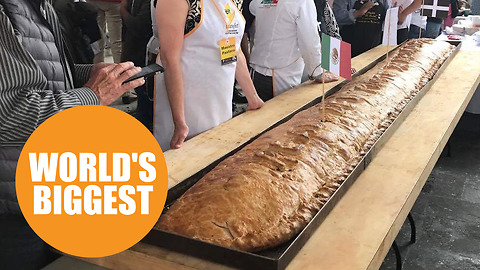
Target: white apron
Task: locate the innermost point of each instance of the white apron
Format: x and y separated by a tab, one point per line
288	77
208	84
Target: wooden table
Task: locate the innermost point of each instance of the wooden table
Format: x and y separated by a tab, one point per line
359	231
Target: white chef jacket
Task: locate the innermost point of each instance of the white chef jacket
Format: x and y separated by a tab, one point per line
285	32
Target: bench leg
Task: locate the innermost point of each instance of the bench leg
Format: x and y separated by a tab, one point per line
397	255
413	237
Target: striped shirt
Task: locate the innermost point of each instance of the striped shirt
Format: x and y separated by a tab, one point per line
25	103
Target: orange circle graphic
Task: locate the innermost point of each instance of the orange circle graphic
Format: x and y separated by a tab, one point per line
91	181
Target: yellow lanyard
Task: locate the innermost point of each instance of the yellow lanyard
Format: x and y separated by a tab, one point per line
224	18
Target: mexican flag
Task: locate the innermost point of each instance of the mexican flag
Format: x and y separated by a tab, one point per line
336	56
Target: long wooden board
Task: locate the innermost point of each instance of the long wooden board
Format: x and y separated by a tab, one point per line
359	231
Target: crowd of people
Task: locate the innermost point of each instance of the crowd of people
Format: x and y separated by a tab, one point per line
52	56
280	48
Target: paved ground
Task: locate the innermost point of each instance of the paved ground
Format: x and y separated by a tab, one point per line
447	212
128	108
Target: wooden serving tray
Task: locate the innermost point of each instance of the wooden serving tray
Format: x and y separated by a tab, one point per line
279	257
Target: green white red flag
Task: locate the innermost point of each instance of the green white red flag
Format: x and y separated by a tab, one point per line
336	56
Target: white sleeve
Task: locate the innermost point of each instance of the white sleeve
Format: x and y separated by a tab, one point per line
253	7
308	38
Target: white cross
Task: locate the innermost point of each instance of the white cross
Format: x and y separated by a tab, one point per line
435	7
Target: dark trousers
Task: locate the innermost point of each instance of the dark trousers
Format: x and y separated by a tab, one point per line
434	27
402	35
20	247
415	32
145	94
144	112
361	38
263	85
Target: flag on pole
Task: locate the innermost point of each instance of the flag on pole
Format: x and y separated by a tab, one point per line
436	8
336	56
390	27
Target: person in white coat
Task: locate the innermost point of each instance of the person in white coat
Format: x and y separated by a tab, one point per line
406	10
202	58
286	42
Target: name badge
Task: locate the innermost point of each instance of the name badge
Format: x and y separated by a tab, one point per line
228	51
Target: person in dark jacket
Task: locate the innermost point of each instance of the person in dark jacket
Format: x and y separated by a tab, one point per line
37	80
79	27
137	31
361	22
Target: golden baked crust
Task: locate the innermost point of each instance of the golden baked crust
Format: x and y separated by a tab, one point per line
267	192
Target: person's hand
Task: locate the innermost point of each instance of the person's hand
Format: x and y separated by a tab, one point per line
179	135
107	81
367	6
402	17
329	77
255	103
98	66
